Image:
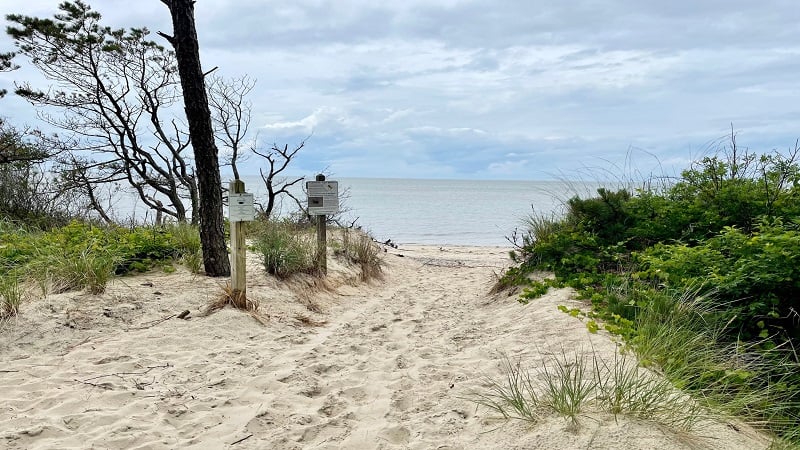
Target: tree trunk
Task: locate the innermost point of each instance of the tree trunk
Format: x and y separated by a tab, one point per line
198	115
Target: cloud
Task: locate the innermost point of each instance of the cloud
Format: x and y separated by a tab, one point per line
515	89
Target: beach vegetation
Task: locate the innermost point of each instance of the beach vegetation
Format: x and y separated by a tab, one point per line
28	193
567	385
360	249
85	255
515	397
10	294
286	248
582	384
699	276
537	288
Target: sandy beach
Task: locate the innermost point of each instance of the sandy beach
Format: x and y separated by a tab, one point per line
388	364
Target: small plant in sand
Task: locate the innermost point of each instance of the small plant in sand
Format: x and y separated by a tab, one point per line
515	397
622	387
567	386
238	300
359	248
571	386
193	261
98	270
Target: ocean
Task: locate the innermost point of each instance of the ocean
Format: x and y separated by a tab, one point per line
446	212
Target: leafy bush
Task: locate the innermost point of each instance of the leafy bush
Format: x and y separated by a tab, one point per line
698	277
756	277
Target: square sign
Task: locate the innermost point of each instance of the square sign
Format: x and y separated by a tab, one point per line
323	197
240	207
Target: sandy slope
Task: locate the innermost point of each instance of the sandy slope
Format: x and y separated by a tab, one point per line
390	368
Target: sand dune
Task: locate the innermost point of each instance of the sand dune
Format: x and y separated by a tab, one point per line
386	365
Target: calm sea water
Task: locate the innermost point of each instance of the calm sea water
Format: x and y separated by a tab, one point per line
442	212
447	212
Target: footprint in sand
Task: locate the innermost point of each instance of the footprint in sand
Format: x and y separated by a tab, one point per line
356	394
396	435
402	403
333	406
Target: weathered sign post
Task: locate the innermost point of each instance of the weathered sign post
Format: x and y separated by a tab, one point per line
240	210
323	200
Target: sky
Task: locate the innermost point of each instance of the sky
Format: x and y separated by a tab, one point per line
498	89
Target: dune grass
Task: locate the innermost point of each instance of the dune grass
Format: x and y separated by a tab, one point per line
286	248
10	295
515	397
567	386
681	336
578	384
68	271
360	249
624	388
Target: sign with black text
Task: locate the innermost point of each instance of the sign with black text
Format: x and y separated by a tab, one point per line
323	197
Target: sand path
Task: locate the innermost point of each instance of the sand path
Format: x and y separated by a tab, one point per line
392	368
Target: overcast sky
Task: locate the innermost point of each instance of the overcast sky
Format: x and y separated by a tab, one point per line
494	89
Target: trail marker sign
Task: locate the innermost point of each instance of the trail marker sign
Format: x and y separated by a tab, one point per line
323	197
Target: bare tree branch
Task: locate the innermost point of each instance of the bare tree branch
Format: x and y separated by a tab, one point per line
278	160
113	90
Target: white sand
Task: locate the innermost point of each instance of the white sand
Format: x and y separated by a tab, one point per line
389	370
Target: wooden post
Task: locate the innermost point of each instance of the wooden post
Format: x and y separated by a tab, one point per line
322	241
238	252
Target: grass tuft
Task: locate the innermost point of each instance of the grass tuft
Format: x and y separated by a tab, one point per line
513	398
286	249
359	248
67	271
10	295
570	386
567	386
625	388
193	261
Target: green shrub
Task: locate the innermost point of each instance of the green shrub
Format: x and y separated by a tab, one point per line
700	278
286	250
756	276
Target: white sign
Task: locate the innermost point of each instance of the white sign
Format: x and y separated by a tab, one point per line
240	207
323	197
